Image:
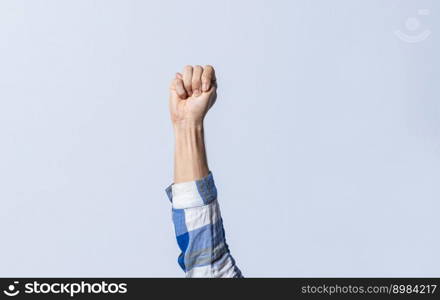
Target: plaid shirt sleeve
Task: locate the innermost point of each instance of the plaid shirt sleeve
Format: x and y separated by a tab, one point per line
199	230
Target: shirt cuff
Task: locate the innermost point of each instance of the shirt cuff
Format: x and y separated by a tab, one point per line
192	193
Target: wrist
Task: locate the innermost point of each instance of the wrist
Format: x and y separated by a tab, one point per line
188	134
191	125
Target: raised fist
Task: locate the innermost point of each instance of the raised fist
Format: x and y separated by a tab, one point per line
192	94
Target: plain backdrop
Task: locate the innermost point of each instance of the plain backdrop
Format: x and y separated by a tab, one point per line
324	141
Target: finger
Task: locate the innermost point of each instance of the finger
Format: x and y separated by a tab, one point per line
208	77
180	89
196	80
187	79
179	75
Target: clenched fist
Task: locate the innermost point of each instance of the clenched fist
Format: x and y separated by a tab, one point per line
192	94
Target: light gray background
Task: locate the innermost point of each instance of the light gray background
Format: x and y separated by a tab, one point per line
324	141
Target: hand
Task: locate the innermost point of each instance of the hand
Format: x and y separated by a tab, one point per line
192	95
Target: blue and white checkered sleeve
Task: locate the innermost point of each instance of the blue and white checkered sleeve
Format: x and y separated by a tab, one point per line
199	230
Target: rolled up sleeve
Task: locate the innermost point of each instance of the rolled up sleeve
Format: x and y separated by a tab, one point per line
199	230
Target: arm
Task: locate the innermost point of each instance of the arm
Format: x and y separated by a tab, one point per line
196	214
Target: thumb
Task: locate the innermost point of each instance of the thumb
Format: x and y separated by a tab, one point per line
177	90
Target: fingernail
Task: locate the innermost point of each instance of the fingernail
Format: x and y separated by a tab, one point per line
205	86
197	92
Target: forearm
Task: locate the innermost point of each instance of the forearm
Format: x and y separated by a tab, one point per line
190	160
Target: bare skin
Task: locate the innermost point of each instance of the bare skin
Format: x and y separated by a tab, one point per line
192	94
